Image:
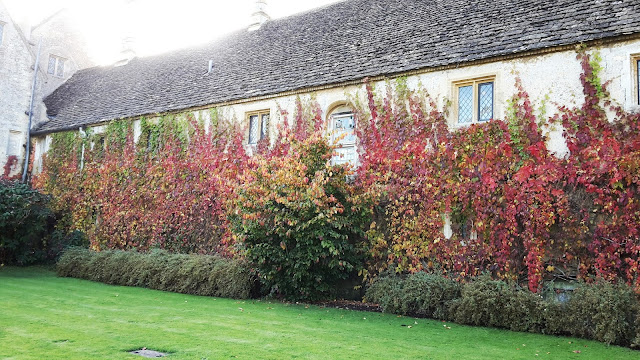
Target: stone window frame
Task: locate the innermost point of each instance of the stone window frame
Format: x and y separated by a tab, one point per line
475	82
635	75
59	63
263	127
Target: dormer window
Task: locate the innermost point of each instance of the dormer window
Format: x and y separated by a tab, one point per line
56	66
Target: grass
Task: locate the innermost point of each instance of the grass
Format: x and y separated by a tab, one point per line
46	317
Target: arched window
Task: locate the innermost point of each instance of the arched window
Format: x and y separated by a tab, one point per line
342	130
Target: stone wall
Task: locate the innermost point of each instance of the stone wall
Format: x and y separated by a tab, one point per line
16	76
552	80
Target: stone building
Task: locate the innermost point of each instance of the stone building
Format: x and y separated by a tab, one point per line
464	53
62	53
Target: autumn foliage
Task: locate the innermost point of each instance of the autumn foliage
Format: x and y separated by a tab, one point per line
162	192
299	219
514	209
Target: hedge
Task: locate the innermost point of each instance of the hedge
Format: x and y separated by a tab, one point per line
188	274
600	311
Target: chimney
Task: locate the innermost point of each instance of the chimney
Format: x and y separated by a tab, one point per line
259	16
128	52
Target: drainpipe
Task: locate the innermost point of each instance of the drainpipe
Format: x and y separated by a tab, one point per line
33	92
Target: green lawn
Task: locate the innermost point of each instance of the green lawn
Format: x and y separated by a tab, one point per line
46	317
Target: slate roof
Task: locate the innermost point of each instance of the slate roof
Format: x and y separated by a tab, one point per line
345	41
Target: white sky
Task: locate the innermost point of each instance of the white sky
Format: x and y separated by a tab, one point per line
157	25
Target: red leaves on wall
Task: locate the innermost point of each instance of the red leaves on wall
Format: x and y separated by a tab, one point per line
515	209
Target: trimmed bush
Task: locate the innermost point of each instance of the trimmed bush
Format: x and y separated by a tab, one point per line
602	311
188	274
495	303
421	294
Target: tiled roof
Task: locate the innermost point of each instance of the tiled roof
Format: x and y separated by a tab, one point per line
345	41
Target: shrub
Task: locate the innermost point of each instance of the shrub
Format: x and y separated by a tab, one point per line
24	222
299	221
188	274
602	311
496	303
386	291
421	294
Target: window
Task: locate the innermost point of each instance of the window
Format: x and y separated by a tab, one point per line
258	125
56	66
343	134
1	31
474	99
637	81
634	95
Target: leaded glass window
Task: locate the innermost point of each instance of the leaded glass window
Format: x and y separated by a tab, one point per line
465	104
254	129
485	101
638	79
258	126
51	69
264	126
475	100
60	70
56	66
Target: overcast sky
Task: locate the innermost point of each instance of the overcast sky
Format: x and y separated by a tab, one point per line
157	25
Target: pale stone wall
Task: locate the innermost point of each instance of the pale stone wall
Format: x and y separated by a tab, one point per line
16	77
552	80
59	37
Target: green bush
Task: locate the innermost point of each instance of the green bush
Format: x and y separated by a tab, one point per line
386	291
299	221
24	222
496	303
421	294
188	274
602	311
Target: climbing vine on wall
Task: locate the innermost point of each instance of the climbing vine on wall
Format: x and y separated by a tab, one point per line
514	209
168	190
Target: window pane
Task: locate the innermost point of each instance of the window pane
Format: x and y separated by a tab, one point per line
344	125
1	32
485	101
60	71
265	126
254	129
344	155
465	104
52	65
638	79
